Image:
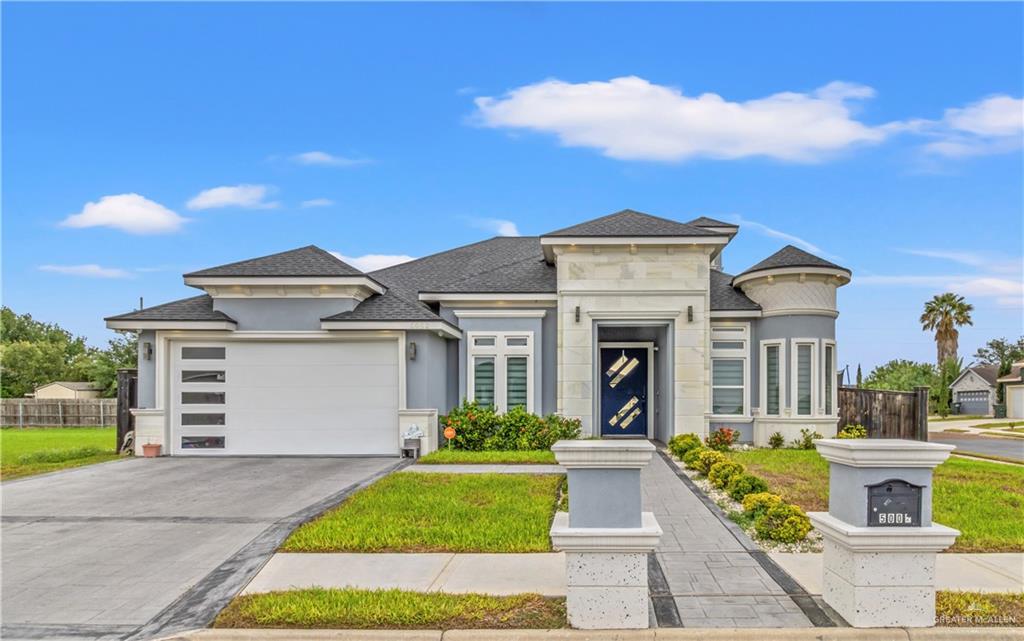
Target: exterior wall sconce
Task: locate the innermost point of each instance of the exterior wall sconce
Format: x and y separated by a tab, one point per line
689	313
147	351
411	349
577	313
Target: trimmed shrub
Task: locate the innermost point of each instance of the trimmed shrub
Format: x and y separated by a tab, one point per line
721	439
775	441
760	502
473	425
707	459
479	427
853	431
783	523
691	458
806	439
680	444
743	484
514	426
721	473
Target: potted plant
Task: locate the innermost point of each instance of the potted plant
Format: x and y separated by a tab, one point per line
151	450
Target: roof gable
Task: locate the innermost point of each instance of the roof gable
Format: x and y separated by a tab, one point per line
309	261
630	223
704	221
790	256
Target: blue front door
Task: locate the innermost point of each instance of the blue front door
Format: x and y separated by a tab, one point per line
624	391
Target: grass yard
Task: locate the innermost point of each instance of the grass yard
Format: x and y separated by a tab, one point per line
985	501
420	512
45	449
999	424
463	457
959	609
390	609
955	417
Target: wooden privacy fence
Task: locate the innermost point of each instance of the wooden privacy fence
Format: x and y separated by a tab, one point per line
45	412
886	414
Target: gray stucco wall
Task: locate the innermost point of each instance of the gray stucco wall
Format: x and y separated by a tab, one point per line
146	385
426	376
786	327
281	313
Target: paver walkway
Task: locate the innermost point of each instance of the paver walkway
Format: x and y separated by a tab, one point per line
712	577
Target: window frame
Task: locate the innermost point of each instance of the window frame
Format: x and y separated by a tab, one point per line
730	332
794	375
780	343
500	351
826	345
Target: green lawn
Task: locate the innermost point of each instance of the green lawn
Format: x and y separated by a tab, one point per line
985	501
390	609
955	417
45	449
434	512
966	609
441	457
997	424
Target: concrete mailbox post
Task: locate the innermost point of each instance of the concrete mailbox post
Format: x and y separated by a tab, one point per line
605	535
879	539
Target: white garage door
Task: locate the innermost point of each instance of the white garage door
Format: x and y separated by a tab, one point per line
284	398
1015	396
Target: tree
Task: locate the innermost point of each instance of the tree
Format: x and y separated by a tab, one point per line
943	314
902	375
1000	351
950	370
860	377
121	352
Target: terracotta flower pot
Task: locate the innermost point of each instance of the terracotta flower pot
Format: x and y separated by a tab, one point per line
151	450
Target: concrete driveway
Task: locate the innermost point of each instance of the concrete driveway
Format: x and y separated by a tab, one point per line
142	547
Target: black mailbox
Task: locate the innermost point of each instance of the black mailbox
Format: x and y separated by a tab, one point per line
894	503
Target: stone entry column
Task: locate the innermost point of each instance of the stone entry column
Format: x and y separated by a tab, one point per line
879	539
605	535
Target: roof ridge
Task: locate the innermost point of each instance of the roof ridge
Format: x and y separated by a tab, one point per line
314	248
443	252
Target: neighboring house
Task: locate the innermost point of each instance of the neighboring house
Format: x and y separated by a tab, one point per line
1013	394
68	389
974	391
626	321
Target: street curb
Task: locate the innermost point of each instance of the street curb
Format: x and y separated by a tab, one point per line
658	634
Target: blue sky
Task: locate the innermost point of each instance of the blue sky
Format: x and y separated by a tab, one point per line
141	141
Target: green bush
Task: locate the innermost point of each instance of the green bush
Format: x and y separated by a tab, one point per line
707	459
783	523
775	441
691	458
721	439
479	427
806	440
853	431
680	444
743	484
721	473
760	502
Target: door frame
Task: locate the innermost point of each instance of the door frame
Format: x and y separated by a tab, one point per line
599	384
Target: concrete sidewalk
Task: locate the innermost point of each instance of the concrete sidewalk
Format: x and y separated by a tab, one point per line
968	572
497	574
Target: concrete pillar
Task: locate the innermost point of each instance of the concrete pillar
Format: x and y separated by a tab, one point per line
605	535
879	539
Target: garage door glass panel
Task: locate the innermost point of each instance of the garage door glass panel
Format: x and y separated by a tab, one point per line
202	442
207	353
202	376
202	419
202	398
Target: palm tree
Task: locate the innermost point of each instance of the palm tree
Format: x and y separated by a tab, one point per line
943	314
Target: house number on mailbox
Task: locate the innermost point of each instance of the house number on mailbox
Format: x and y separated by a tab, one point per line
894	503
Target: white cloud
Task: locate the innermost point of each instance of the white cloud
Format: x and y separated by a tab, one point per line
775	233
989	126
630	118
317	202
246	196
89	271
325	159
373	262
128	212
497	226
1006	292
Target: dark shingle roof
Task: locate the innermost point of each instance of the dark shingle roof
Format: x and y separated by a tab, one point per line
387	307
197	308
302	262
704	221
790	256
725	297
988	372
631	223
530	276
